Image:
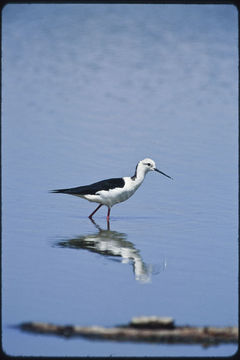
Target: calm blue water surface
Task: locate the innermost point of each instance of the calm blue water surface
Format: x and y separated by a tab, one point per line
87	92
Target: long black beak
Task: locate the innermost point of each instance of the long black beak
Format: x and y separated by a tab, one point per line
163	173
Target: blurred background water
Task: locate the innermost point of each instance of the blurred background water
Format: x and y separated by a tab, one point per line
87	92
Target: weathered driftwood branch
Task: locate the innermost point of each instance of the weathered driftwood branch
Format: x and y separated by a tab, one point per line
143	329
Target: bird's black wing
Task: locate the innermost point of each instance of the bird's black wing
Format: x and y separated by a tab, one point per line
92	189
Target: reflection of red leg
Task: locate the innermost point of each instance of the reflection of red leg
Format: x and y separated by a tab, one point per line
108	214
90	216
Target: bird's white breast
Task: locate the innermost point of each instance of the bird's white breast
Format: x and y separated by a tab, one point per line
118	195
114	196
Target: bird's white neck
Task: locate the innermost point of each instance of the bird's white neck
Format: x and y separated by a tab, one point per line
139	175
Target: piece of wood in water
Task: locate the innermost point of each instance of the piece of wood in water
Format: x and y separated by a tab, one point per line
205	336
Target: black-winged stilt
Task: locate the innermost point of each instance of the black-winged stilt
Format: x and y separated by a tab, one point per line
112	191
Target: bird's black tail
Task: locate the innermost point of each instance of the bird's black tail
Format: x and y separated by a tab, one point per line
58	191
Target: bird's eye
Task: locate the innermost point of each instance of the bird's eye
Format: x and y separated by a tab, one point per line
148	164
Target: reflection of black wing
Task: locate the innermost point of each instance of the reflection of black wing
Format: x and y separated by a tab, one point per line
93	188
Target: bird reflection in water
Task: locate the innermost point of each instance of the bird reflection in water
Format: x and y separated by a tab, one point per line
113	243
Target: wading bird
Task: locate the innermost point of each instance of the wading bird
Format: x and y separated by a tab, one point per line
113	191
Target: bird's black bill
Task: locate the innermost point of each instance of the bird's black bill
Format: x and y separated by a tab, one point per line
163	173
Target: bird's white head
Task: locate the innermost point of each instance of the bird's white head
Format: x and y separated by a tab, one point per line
146	165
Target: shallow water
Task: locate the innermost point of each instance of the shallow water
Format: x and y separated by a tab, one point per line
87	92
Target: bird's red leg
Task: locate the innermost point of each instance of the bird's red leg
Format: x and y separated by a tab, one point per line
91	215
108	214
